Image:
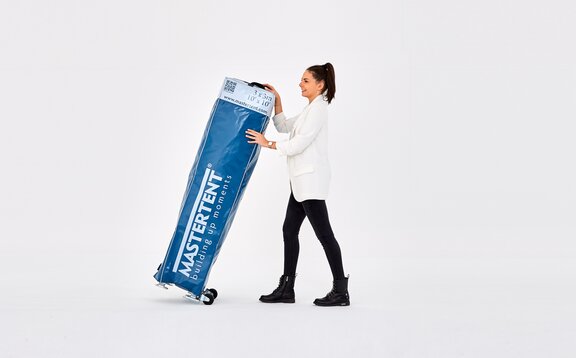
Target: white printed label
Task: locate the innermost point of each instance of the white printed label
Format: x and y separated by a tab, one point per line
251	97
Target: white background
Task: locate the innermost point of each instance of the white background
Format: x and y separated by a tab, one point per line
453	194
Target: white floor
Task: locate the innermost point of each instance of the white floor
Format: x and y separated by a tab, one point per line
400	308
452	195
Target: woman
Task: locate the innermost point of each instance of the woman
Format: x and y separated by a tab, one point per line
306	152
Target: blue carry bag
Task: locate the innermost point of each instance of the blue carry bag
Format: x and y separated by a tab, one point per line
216	183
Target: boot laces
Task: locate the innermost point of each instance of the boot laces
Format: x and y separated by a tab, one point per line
280	285
332	293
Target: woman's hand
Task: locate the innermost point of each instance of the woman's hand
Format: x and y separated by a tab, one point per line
273	90
277	101
256	138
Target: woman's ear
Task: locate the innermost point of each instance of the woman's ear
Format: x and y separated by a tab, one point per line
321	86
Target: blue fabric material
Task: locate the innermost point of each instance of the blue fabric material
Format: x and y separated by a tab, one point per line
221	171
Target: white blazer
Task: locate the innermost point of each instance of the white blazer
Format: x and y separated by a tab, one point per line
306	150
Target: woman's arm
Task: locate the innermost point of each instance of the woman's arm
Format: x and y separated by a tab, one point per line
313	123
282	124
277	100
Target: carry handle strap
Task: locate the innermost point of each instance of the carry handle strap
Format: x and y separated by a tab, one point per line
259	85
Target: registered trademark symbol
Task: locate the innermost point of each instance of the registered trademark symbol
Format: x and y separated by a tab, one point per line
209	165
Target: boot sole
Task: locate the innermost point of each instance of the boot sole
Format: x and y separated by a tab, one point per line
279	301
332	305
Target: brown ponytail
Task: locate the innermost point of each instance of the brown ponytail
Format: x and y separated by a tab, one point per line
325	73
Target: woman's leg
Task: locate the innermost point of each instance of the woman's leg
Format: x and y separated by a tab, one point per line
292	223
317	214
294	217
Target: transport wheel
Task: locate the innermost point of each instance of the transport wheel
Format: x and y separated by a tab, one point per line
214	292
210	296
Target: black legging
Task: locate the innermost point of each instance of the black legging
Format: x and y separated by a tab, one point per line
317	214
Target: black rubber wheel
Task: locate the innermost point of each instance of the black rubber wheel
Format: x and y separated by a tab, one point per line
214	292
210	297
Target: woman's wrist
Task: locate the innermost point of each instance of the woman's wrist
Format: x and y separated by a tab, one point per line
278	106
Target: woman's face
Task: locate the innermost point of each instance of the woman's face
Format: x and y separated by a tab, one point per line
309	86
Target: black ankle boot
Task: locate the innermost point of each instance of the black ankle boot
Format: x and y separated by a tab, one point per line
337	297
283	293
